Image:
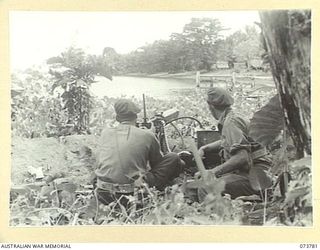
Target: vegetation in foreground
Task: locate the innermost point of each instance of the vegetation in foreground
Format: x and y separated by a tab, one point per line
64	200
61	201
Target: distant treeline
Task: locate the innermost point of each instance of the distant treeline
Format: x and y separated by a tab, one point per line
200	46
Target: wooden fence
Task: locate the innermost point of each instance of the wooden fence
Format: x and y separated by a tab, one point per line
229	81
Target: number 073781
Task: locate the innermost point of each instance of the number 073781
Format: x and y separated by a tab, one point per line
308	246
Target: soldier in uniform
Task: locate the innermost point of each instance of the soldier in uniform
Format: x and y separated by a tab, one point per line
239	152
127	152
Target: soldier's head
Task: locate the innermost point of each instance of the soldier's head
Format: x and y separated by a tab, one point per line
126	110
218	100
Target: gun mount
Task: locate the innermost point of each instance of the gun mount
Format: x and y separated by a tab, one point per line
158	123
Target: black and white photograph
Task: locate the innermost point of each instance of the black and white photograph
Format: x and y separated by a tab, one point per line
161	118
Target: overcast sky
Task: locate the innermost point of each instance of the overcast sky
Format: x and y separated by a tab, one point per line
36	36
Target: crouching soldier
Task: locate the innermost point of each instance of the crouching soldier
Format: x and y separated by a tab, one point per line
126	150
239	152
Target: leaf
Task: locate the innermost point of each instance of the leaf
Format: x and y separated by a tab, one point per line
253	197
46	192
90	209
195	184
284	179
21	190
258	179
272	222
199	220
15	92
35	186
302	163
308	200
267	123
292	195
70	187
66	95
81	83
65	184
67	197
32	220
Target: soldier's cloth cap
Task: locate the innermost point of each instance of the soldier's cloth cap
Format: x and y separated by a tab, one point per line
126	110
219	97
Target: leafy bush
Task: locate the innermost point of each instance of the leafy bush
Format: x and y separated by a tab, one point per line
297	206
73	72
58	103
35	111
62	202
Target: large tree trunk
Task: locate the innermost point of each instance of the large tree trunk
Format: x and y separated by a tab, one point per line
287	36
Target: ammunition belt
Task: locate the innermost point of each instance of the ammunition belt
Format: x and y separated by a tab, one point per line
115	187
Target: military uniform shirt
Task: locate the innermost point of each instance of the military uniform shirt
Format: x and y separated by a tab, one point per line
234	136
124	151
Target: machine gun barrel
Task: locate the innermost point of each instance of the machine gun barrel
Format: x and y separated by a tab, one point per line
145	122
144	109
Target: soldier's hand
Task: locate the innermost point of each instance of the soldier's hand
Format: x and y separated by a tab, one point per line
143	127
201	152
153	128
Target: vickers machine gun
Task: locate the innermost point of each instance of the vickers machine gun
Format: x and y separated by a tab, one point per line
200	135
158	122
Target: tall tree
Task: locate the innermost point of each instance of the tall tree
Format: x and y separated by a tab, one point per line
193	49
287	36
200	36
248	45
241	45
108	64
179	52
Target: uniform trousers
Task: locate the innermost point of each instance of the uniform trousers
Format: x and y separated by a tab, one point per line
160	176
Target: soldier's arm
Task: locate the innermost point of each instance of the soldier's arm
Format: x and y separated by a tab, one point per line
238	160
213	147
237	146
155	155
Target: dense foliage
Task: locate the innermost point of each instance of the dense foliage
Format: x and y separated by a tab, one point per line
198	47
35	110
68	202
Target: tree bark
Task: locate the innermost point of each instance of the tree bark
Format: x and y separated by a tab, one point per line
287	37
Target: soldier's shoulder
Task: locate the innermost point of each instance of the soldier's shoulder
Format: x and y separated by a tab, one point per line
234	115
108	129
144	132
236	118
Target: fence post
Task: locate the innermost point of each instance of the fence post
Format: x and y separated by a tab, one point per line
233	80
198	79
211	82
253	83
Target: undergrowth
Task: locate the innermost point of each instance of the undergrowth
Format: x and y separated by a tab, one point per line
62	201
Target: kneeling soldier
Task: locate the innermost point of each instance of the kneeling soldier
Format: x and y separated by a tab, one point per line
126	150
239	151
